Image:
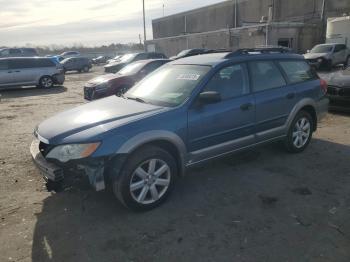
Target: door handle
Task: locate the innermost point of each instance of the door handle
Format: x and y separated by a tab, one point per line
290	96
246	106
10	72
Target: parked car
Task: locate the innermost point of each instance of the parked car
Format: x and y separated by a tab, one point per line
80	64
114	59
70	54
18	52
328	55
100	59
41	72
130	58
189	111
339	90
190	52
119	83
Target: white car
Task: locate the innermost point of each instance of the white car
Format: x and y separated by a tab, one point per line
328	55
70	54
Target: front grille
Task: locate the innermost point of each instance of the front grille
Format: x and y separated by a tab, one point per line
45	148
338	91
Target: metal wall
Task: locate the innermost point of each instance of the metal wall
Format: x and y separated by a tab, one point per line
222	15
214	26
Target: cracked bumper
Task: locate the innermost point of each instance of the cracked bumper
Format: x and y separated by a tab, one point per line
48	170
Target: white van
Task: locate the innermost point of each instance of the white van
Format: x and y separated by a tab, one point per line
25	71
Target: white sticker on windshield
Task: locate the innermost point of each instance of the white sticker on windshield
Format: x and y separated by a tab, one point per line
191	77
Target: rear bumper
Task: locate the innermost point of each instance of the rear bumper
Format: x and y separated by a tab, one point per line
48	170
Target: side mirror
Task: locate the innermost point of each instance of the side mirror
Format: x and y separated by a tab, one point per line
209	97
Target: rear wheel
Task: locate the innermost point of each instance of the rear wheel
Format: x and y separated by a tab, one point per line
347	63
146	179
46	82
299	133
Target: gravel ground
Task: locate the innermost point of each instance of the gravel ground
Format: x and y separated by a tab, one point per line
259	205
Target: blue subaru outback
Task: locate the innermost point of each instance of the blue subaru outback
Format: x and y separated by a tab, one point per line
185	113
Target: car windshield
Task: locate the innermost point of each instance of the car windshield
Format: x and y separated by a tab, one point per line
322	49
184	52
169	86
65	60
132	68
127	58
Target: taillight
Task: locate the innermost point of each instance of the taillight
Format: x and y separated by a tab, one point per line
324	85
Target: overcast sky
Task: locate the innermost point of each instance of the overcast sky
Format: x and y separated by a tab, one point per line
88	22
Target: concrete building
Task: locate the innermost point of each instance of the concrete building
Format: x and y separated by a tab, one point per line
298	24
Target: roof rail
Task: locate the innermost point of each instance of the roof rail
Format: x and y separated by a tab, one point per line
262	50
220	50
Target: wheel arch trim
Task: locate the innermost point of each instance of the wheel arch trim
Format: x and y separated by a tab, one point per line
153	136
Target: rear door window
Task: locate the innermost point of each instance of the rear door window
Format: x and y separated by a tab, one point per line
265	75
297	71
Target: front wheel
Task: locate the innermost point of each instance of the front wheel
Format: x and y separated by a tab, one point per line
86	69
46	82
300	133
146	179
347	62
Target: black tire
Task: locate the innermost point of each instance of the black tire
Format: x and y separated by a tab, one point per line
85	69
329	65
291	138
347	62
46	82
122	183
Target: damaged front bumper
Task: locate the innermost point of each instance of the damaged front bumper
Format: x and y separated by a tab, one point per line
52	172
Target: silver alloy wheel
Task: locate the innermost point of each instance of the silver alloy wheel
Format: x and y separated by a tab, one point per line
46	82
301	132
150	181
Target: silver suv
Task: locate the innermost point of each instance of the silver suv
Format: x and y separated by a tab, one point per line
25	71
328	55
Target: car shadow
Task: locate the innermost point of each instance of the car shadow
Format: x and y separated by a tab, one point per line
219	209
16	92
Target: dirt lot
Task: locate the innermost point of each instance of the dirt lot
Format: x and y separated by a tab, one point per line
260	205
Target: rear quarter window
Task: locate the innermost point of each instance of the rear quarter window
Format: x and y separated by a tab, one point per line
297	71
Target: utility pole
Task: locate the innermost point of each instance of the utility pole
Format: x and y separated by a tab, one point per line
163	10
144	25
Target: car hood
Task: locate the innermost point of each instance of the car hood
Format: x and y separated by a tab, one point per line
101	79
340	78
92	120
314	55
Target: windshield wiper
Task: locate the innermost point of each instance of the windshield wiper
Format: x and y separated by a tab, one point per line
136	99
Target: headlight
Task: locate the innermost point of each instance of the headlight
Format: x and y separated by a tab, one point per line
102	86
64	153
320	60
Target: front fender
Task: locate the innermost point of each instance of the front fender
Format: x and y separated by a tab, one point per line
156	135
